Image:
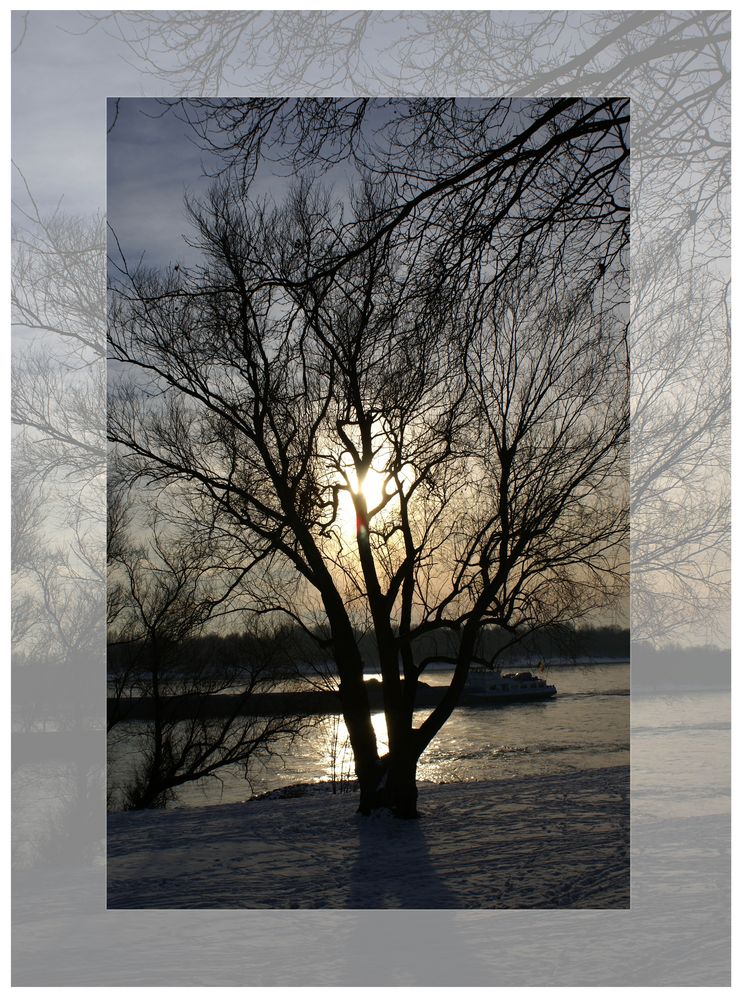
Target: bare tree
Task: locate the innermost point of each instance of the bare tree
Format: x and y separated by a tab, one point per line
165	590
419	445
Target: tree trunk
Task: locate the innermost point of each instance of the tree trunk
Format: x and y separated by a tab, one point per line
400	792
390	784
369	792
357	716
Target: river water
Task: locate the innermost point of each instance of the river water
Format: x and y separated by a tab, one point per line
586	725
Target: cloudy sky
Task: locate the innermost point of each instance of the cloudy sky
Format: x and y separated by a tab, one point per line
152	162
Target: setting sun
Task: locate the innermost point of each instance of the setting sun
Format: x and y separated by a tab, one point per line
371	488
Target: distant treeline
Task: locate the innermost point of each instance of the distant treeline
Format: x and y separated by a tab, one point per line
288	649
564	642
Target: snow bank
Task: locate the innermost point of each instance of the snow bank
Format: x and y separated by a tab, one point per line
547	842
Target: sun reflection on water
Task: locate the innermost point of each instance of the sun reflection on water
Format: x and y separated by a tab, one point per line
339	763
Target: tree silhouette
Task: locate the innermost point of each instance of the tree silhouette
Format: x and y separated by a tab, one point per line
163	595
406	426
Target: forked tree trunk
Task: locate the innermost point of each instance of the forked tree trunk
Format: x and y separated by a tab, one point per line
392	785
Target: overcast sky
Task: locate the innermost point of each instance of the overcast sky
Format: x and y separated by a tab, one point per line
152	161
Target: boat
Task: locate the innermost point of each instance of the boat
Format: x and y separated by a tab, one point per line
497	687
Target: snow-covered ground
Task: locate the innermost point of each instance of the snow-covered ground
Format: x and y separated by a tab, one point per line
541	842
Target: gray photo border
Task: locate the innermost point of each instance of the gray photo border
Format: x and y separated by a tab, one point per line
675	68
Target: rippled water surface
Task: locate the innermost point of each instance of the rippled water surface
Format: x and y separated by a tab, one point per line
586	725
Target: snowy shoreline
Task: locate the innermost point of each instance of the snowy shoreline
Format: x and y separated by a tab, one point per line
559	841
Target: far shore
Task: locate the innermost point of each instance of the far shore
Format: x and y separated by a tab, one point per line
289	702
